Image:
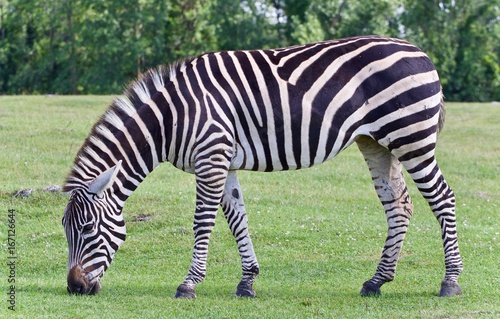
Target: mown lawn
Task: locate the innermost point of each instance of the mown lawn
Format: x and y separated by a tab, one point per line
318	233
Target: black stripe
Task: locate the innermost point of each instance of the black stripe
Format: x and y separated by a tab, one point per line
276	103
231	69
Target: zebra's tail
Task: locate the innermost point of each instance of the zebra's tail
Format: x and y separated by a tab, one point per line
442	113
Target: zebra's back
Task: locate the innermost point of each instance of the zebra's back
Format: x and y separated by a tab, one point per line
296	107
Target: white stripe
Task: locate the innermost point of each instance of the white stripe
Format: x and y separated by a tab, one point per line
100	144
242	136
348	91
185	139
146	99
220	90
107	133
171	151
270	125
245	108
246	85
382	97
285	109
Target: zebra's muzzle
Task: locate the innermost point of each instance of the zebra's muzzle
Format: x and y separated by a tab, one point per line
79	283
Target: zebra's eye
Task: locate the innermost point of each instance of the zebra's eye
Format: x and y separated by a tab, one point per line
87	228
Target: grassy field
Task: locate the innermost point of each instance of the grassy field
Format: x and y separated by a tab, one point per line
318	233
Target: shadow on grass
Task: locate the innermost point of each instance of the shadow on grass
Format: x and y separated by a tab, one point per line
158	290
215	291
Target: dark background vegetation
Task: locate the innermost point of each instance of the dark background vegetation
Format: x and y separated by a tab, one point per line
96	47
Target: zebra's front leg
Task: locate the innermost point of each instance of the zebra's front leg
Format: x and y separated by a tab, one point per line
234	211
203	226
386	172
209	189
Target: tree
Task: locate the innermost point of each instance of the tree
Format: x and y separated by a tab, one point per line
460	38
30	33
87	46
325	19
247	24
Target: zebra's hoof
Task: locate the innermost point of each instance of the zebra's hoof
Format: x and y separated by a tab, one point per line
449	288
370	289
245	289
185	292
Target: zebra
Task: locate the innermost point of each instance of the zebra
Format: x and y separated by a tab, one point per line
263	110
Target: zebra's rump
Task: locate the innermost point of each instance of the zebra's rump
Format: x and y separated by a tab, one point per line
299	107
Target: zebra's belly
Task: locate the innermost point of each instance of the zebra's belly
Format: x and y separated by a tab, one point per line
255	158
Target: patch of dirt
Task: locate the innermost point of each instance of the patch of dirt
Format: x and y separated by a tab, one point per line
24	193
142	218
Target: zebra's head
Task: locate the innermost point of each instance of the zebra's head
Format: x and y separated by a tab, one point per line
95	229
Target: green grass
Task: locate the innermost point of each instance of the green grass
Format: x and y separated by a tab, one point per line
318	233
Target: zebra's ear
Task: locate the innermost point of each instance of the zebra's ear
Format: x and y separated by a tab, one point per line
105	180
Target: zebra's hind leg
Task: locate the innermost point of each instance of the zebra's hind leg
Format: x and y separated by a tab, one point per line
234	211
386	172
433	187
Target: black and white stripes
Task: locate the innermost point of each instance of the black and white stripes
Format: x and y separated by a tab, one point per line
265	110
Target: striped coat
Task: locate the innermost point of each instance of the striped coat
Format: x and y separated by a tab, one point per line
265	110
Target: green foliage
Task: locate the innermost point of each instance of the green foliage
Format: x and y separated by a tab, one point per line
462	39
85	46
318	233
243	25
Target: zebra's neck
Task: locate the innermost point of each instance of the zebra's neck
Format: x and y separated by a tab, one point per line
136	129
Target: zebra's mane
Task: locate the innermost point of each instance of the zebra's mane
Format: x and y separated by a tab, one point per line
85	166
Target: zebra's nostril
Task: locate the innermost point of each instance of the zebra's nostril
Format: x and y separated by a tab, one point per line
76	287
76	281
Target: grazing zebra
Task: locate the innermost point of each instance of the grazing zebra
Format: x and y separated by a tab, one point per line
263	110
